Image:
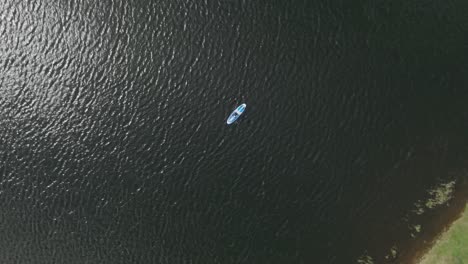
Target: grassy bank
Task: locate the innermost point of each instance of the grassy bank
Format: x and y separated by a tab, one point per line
452	246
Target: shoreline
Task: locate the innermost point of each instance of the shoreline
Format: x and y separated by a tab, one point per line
436	227
449	246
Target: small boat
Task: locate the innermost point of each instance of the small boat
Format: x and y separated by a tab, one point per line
236	113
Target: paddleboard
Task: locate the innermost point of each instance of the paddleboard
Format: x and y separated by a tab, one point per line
236	114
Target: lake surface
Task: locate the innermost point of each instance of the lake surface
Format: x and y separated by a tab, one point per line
114	146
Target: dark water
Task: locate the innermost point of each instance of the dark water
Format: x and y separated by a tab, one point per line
114	148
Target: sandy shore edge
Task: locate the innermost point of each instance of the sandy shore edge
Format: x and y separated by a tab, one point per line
451	246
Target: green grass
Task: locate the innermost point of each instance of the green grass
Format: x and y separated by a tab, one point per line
452	247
